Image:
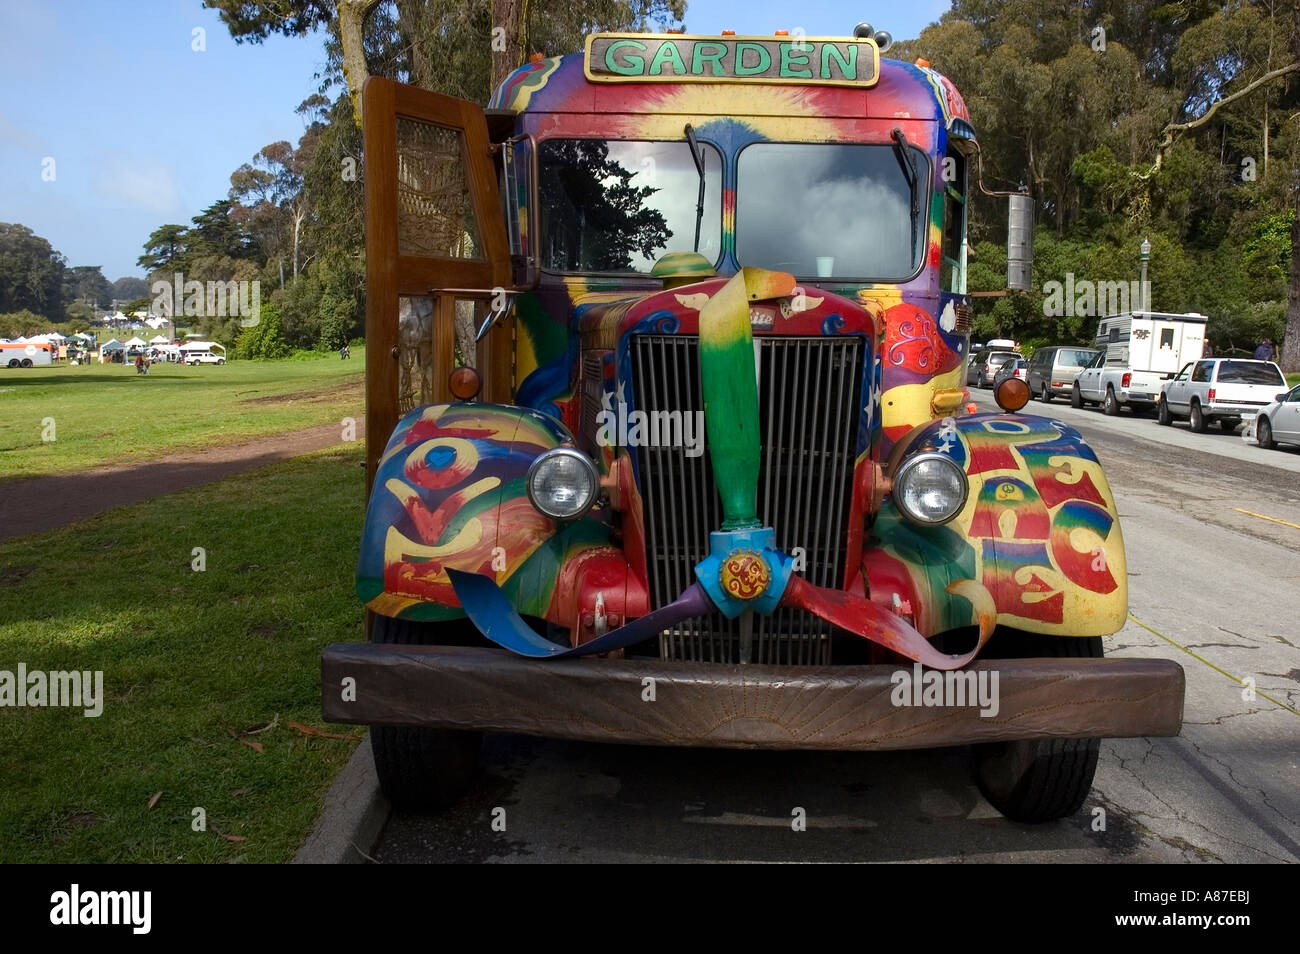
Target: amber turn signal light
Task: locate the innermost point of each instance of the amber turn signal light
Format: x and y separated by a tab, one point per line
1012	394
465	383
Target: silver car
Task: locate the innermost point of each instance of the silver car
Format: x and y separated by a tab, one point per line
984	365
1052	370
1279	422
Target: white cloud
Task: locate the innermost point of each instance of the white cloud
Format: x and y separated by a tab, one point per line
138	183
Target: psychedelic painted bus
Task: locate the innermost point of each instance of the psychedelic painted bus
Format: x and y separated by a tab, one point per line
668	441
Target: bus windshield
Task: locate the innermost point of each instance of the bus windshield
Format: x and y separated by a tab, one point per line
618	205
830	210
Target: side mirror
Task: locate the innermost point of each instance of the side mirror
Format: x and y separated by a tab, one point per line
1281	397
497	314
1020	243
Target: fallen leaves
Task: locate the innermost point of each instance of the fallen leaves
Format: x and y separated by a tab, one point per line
321	733
242	736
275	720
255	746
234	838
154	801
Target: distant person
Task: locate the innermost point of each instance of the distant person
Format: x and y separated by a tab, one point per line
1265	350
343	353
139	364
1206	350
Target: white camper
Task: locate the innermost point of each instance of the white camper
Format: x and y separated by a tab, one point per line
1139	350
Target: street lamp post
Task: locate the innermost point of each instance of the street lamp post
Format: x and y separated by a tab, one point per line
1145	248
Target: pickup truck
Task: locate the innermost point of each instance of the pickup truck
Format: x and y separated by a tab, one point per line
204	357
1219	389
1115	387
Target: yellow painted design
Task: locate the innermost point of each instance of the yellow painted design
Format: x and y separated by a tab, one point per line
399	548
911	404
744	574
947	400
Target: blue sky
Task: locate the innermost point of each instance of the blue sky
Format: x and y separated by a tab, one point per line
143	129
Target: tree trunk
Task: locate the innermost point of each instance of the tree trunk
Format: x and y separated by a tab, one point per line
297	228
352	16
507	49
1290	349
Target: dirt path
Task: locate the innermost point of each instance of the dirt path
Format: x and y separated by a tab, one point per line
38	504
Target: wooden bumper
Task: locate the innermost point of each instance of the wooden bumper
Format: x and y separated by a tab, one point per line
696	704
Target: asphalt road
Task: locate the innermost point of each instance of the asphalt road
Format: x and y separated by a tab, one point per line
1214	584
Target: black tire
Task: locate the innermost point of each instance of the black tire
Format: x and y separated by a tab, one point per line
27	362
1047	779
14	363
422	769
1045	394
1264	434
1197	418
1228	425
1076	399
1162	413
1110	406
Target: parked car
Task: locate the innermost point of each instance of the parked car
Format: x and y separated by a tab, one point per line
204	357
1052	370
1219	389
984	366
1014	368
1278	422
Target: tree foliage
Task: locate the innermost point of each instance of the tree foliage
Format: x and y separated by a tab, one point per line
31	274
1121	119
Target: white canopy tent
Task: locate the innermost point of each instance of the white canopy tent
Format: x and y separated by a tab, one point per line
159	339
136	342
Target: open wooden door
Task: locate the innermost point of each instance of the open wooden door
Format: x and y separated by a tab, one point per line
435	247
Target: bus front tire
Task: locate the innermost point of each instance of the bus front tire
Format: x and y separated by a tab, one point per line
421	769
1044	779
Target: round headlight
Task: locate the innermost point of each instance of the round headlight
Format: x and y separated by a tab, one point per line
930	489
562	483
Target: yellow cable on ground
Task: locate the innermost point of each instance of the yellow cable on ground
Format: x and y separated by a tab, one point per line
1258	692
1252	513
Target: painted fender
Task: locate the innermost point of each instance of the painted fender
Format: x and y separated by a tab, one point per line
449	493
1039	530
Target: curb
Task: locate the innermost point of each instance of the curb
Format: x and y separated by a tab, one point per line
353	816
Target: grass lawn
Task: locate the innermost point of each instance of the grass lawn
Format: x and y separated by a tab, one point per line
188	659
106	414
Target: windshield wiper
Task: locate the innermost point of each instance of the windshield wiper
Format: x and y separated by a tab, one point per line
698	155
906	162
